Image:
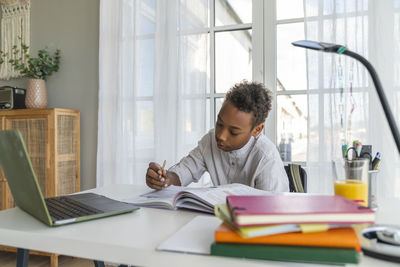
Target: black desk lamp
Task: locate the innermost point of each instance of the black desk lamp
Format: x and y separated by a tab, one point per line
385	242
340	49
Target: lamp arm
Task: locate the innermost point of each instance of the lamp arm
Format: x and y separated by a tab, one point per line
381	94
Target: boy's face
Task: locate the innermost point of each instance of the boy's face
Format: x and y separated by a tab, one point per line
233	128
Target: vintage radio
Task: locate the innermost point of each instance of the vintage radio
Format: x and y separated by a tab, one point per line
12	97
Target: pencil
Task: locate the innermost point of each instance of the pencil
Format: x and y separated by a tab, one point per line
162	167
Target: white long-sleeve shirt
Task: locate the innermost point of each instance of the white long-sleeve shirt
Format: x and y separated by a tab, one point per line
256	164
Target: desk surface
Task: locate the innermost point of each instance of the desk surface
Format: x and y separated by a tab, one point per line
128	239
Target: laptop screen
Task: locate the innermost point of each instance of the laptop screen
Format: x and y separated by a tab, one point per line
17	167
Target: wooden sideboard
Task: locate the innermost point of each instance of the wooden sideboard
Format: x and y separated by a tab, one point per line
52	138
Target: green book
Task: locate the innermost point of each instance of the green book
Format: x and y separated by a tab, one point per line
286	253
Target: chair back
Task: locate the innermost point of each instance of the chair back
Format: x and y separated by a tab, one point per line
297	178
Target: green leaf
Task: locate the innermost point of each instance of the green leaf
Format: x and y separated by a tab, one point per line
33	67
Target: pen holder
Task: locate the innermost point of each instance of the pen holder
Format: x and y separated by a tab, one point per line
355	183
372	189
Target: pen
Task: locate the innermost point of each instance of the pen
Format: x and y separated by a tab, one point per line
162	168
376	165
377	156
376	160
344	151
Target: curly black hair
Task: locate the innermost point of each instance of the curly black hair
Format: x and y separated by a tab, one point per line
251	97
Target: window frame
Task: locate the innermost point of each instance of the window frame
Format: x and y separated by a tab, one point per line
257	42
271	27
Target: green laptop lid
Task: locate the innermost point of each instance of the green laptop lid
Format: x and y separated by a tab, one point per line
17	167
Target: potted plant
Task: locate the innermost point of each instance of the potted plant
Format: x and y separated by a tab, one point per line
37	69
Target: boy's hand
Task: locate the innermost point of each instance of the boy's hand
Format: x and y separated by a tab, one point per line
158	178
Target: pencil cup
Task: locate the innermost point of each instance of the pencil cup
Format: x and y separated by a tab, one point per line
372	189
354	184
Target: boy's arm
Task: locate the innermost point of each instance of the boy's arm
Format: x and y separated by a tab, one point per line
191	167
272	176
188	170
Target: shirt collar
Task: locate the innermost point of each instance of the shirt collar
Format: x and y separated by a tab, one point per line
244	149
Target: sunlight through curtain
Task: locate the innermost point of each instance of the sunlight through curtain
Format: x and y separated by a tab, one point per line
343	103
153	80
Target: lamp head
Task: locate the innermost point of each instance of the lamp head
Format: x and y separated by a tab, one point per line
320	46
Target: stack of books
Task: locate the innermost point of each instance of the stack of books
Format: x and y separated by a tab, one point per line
299	228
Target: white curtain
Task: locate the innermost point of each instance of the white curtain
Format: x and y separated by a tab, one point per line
153	80
343	103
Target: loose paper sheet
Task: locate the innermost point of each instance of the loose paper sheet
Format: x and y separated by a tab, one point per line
195	237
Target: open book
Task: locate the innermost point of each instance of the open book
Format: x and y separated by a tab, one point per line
201	199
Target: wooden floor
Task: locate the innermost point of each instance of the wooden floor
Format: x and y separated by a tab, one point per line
7	259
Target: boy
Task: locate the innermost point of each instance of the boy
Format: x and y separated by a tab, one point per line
235	151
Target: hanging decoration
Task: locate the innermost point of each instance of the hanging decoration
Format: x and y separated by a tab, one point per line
352	103
15	30
341	102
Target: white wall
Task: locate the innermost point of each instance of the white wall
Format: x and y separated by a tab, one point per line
72	26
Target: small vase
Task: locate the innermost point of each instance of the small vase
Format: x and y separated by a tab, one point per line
36	94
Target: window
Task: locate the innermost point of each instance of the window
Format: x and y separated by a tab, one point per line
291	82
144	31
228	31
231	33
247	29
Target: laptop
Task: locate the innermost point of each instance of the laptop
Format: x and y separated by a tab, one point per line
54	211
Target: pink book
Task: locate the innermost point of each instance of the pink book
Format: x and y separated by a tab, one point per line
283	209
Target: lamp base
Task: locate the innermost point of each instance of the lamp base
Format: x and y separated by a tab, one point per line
382	242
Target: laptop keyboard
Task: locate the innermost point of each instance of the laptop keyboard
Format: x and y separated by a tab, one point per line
61	208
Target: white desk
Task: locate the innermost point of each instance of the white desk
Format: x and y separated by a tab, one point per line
127	239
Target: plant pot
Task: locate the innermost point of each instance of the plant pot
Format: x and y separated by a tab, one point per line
36	94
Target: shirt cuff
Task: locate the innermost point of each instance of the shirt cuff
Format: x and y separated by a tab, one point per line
184	174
